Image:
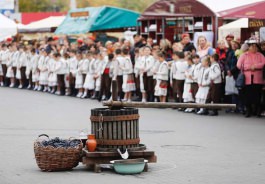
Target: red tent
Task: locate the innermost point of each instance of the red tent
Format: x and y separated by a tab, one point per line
254	11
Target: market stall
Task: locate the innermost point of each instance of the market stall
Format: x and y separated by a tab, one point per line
233	28
92	19
169	19
256	18
7	26
45	25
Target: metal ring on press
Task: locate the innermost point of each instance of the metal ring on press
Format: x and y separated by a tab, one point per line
101	120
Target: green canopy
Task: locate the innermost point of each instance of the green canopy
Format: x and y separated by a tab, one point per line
84	20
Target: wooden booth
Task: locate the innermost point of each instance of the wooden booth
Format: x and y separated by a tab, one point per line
171	18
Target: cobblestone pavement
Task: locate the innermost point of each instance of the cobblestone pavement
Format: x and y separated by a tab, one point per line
228	149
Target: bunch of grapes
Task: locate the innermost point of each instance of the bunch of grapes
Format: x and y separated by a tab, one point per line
60	143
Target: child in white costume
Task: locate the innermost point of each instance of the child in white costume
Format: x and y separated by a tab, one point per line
79	77
128	79
187	93
52	77
15	58
21	64
97	77
4	59
66	68
162	78
89	83
9	65
35	71
146	74
204	82
73	70
44	73
40	68
30	54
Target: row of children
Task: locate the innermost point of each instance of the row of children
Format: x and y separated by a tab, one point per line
90	74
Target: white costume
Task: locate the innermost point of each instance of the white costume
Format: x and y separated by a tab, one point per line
178	69
28	64
43	67
90	81
98	66
137	66
215	73
147	64
187	94
79	76
66	69
162	79
204	85
128	80
21	62
73	63
35	72
52	79
9	65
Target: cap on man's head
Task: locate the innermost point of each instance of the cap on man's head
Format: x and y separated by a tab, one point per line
79	40
184	35
9	39
55	38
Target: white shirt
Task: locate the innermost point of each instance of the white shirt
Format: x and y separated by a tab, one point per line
162	73
5	54
203	76
178	69
120	62
215	73
147	64
72	62
15	58
127	67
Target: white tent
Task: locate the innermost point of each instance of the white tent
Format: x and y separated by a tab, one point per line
44	25
233	28
7	27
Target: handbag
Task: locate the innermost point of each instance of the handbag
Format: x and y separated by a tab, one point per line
230	88
240	81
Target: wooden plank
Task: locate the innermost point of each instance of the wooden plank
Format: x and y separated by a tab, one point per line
128	127
167	105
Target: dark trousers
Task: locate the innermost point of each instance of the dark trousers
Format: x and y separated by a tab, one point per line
137	85
215	93
194	89
15	72
61	84
119	83
150	89
72	84
105	86
4	76
178	88
29	81
23	75
253	95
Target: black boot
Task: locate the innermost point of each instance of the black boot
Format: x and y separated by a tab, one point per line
205	112
248	111
214	113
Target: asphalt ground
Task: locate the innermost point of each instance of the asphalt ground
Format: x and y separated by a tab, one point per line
228	149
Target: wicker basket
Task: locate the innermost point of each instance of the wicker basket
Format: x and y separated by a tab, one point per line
56	159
